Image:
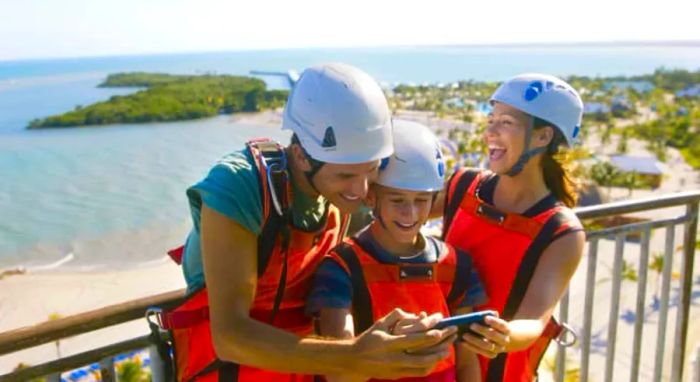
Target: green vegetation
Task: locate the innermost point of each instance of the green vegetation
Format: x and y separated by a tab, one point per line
131	371
171	98
645	108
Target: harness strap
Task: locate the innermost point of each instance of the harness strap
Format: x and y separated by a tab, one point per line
526	270
361	300
455	194
272	165
461	279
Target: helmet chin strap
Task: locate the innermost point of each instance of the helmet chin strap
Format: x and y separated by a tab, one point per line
315	167
527	152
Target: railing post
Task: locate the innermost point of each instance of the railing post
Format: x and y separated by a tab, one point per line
664	296
560	366
689	241
614	307
641	300
588	308
696	365
107	372
157	364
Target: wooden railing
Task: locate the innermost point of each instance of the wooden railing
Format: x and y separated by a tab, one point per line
28	337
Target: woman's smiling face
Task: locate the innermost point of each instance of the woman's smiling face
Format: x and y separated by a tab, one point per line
505	136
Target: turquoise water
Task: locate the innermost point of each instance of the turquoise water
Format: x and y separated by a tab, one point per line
105	194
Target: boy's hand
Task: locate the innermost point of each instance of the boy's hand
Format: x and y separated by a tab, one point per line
381	353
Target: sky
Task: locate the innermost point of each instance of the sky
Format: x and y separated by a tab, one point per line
76	28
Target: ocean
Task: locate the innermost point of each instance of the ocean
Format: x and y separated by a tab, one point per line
114	196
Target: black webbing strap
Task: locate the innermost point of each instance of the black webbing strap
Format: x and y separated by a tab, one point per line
213	366
274	163
275	224
279	294
526	270
461	280
361	300
452	203
228	372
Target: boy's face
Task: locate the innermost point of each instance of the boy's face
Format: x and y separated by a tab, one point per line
402	212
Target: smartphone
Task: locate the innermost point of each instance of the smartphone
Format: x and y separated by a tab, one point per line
462	322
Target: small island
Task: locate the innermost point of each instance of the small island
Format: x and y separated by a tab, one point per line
169	97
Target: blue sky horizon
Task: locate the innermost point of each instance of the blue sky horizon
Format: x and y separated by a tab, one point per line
535	44
45	29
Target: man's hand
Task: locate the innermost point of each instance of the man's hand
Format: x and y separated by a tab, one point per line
402	345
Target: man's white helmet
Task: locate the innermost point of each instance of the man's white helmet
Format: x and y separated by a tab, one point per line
340	115
417	163
545	97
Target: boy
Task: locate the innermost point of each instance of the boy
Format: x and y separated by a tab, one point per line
391	264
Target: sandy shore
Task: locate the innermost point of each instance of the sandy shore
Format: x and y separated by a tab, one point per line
31	298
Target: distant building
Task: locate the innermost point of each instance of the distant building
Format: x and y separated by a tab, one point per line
693	91
620	104
638	86
455	102
595	108
647	168
589	195
483	108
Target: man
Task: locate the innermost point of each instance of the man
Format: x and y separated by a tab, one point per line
263	219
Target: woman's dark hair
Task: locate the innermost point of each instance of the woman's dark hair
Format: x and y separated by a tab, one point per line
557	174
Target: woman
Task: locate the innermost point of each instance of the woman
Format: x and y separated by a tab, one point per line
516	222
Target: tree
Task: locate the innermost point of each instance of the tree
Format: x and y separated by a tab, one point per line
631	181
622	144
657	265
629	272
604	174
52	317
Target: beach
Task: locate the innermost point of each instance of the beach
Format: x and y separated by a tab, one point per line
30	299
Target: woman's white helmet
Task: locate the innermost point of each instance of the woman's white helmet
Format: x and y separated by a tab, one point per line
545	97
340	115
417	163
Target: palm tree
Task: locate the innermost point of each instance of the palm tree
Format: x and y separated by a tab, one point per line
657	265
604	174
52	317
631	181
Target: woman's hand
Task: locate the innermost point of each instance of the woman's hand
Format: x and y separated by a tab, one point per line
495	337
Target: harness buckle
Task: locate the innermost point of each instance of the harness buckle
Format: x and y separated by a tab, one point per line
153	316
562	339
491	213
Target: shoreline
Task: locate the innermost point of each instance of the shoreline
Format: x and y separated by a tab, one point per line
32	298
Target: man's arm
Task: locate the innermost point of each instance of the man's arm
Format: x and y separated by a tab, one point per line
229	255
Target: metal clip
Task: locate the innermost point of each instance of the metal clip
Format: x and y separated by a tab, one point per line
152	312
561	338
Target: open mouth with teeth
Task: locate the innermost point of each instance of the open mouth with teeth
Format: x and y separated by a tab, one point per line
350	198
496	153
404	226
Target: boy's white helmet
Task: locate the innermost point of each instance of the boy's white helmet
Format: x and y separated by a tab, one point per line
417	163
545	97
340	115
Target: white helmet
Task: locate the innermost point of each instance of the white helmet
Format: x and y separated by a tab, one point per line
417	163
545	97
340	115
